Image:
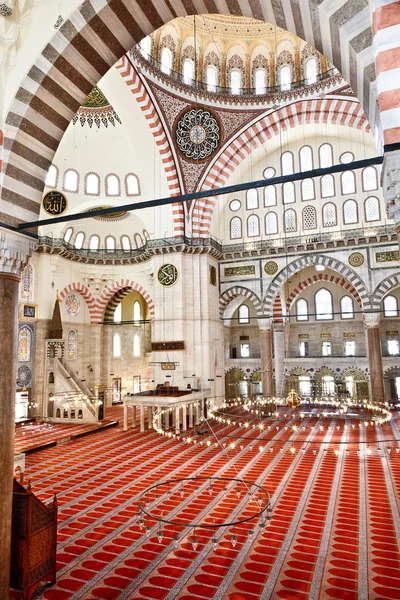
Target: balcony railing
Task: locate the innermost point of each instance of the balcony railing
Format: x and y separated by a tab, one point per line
325	357
146	60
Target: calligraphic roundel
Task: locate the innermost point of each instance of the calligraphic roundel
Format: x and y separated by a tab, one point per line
54	203
167	275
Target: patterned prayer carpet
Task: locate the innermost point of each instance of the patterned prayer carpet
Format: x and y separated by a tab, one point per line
334	534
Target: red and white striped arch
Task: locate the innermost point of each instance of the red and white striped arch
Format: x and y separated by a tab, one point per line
85	293
106	295
386	29
321	277
329	110
141	95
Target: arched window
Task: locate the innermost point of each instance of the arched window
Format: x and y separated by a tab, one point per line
80	238
139	243
235	81
287	163
329	216
110	243
24	344
94	242
306	158
137	313
72	344
211	78
145	46
290	220
52	176
390	307
350	212
327	186
370	179
125	242
271	223
325	156
301	310
236	228
348	180
311	69
252	199
71	181
166	60
92	184
132	185
371	207
260	81
288	192
323	305
118	313
68	234
188	71
285	77
116	345
146	235
307	189
270	196
136	345
113	186
253	226
243	314
309	217
346	307
27	283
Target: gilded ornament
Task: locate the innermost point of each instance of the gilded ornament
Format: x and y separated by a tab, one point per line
235	271
54	203
167	275
356	259
271	267
293	399
391	256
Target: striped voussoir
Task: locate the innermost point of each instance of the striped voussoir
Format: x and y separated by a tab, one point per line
391	282
238	290
277	312
110	297
143	98
354	281
85	293
340	112
318	279
386	26
99	32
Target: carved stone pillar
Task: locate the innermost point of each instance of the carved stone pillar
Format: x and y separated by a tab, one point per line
297	69
272	74
279	350
265	327
14	253
371	321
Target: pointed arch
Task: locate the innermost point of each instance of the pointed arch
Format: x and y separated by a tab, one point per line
321	277
236	291
85	293
389	283
306	261
111	297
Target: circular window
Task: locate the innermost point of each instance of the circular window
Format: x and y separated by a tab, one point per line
346	157
268	173
235	205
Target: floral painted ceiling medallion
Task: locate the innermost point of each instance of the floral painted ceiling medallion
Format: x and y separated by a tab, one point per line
197	134
97	110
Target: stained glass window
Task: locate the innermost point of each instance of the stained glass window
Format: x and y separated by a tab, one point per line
323	305
26	289
24	344
329	215
72	344
271	223
236	228
309	218
72	304
253	226
350	213
372	209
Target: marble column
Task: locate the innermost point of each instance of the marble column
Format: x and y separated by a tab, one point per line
266	357
279	350
150	417
133	416
125	417
191	414
141	418
14	252
371	321
177	420
184	426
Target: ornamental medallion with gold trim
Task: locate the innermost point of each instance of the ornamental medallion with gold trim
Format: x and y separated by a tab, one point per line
54	203
271	267
356	259
167	275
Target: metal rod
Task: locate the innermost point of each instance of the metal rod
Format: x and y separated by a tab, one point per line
358	164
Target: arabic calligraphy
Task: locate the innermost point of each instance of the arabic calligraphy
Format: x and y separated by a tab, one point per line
54	203
167	275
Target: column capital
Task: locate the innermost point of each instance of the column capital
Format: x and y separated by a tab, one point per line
372	319
15	249
264	323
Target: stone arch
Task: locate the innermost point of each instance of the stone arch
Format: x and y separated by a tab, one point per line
340	112
93	39
383	288
356	372
110	298
318	279
236	291
309	260
85	293
298	371
324	372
